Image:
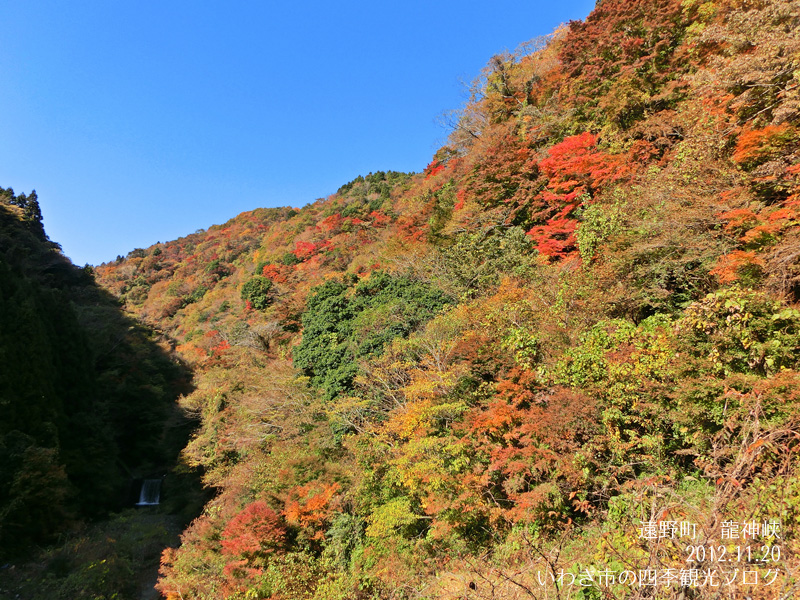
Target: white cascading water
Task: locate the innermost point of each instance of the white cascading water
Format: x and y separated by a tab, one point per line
150	494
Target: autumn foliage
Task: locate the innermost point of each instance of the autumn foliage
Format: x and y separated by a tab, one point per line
254	532
582	314
576	170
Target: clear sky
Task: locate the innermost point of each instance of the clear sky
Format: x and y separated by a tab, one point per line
138	122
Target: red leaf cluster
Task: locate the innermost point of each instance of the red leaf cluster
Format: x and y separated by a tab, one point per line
256	530
575	169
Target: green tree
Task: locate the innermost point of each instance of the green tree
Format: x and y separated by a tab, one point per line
344	322
256	292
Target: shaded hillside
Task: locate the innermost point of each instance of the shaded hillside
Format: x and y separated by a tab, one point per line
86	391
581	317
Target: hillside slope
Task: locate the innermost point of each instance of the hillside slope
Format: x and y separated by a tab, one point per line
87	393
579	319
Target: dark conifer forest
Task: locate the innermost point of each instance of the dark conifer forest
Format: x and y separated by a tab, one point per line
561	362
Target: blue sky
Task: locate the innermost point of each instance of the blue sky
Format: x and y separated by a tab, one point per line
139	122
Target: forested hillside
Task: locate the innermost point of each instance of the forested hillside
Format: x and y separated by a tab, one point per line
88	396
579	323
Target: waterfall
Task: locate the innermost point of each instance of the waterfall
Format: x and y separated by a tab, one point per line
150	494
